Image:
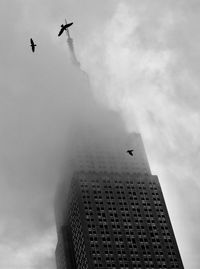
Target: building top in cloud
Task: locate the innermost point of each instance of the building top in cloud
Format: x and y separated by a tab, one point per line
90	155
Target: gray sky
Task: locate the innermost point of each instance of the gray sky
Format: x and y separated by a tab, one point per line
142	58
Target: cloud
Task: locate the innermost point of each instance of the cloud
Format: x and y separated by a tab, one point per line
142	58
37	252
43	99
146	66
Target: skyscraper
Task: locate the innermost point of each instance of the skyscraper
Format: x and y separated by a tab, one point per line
113	214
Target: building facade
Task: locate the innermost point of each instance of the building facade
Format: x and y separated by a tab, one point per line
114	218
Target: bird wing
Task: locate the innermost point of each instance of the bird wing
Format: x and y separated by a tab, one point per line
69	24
61	31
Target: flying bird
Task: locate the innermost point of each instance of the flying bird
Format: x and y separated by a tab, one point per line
64	27
33	45
130	152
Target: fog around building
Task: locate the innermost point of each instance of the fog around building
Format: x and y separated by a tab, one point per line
142	60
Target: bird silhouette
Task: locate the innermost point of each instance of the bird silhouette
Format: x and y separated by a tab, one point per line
130	152
64	27
33	45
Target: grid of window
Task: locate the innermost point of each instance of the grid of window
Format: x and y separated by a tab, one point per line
115	226
77	235
127	223
166	235
128	229
90	218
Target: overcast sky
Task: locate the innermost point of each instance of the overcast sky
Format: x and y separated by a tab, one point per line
143	61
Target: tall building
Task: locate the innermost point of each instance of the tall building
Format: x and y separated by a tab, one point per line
113	214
